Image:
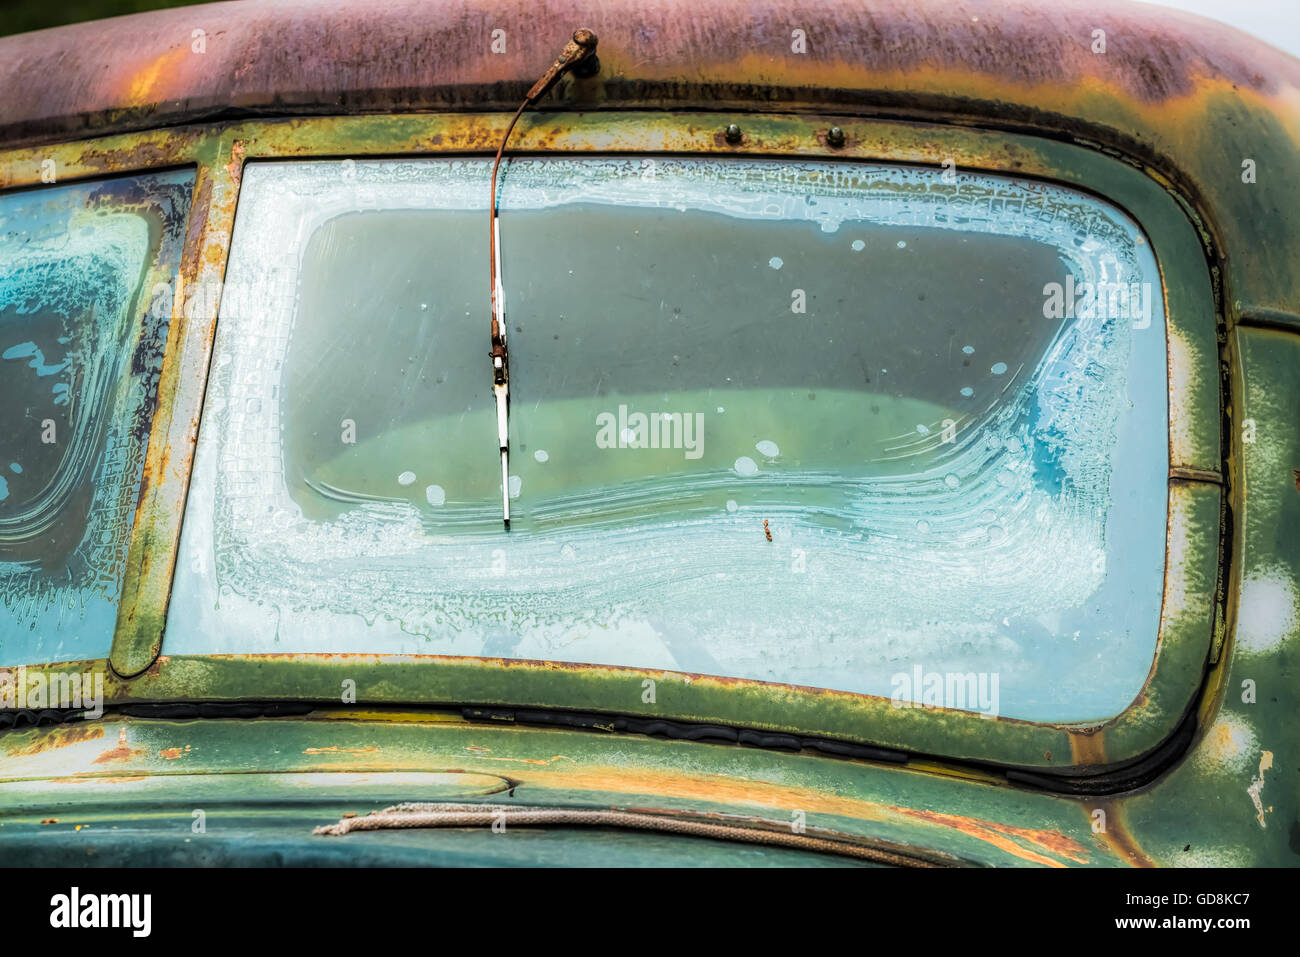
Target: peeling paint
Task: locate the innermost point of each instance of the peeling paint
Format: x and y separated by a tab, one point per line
1257	787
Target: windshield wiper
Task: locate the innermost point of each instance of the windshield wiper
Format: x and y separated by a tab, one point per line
579	51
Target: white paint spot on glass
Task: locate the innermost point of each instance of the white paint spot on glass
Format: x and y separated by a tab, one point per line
923	526
922	429
997	534
998	368
858	245
969	350
951	480
541	455
746	466
902	244
731	505
516	483
967	391
434	495
776	262
769	448
406	478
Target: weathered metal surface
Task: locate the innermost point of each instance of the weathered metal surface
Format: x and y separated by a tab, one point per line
1235	800
152	557
72	781
334	56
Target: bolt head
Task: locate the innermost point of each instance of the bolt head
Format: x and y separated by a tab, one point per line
835	136
733	134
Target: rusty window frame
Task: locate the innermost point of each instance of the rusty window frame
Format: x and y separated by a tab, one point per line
1191	619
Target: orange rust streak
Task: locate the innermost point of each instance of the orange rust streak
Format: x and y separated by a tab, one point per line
120	753
1088	748
779	797
338	750
550	760
145	80
993	834
1119	840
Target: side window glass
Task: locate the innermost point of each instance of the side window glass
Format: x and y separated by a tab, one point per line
81	344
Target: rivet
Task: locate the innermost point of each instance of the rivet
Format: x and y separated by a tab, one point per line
733	134
835	137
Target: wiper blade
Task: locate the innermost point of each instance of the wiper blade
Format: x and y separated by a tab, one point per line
579	51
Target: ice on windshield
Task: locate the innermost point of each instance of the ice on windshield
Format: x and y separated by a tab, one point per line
838	425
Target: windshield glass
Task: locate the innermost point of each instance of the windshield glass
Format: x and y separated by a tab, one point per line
840	425
80	354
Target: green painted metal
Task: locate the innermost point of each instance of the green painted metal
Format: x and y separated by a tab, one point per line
150	775
1206	811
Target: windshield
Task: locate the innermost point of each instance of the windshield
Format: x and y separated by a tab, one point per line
845	426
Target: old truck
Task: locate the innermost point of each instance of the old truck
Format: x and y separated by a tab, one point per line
659	433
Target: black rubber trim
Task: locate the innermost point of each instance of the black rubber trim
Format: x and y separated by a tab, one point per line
1112	779
218	709
26	717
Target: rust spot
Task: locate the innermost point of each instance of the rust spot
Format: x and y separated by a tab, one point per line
123	752
767	531
1295	474
171	754
50	820
61	737
338	750
236	165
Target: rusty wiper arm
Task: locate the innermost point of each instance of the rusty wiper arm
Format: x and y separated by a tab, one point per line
579	50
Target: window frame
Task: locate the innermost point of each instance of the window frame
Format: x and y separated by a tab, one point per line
1191	625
